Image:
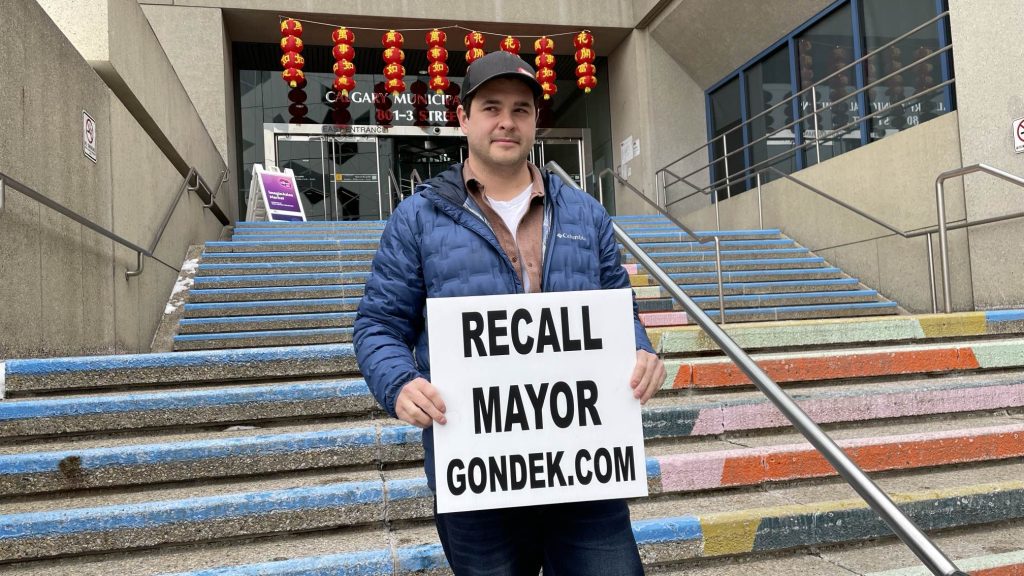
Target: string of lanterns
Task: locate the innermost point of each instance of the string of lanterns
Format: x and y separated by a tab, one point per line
292	61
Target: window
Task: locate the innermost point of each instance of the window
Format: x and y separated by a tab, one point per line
816	60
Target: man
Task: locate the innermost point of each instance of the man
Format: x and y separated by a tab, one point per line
496	225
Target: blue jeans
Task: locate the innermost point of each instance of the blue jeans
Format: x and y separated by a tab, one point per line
575	539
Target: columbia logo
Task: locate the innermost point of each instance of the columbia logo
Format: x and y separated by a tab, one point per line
563	236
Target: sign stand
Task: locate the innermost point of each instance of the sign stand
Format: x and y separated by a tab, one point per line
274	196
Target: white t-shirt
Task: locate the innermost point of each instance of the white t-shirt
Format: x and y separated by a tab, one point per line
512	211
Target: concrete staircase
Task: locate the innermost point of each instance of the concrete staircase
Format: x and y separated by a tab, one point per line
287	284
276	461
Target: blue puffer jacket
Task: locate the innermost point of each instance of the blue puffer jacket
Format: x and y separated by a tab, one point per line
436	245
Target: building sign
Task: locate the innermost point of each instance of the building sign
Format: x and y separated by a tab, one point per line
274	196
89	136
539	407
1018	135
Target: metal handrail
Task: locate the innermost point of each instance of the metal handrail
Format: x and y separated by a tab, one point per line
186	185
554	167
745	172
940	204
824	80
904	528
9	182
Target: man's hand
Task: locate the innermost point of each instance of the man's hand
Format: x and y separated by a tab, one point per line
420	404
648	375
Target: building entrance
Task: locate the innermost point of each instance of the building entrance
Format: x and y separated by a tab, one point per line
363	172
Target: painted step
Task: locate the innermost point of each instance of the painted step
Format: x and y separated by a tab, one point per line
202	295
691	246
270	307
807	312
678	236
754	288
728	524
288	246
851	363
709	256
280	280
323	223
791	274
255	268
836	332
734	265
673	467
1005	564
648	305
346	236
227	340
667	415
52	375
268	322
186	407
286	256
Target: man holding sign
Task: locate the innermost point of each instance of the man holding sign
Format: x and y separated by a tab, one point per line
534	454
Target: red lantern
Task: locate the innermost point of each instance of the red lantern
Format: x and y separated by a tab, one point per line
437	55
395	86
344	54
394	56
474	54
392	71
545	61
298	110
436	38
290	27
474	40
586	83
439	83
293	60
344	84
293	76
343	36
291	44
585	70
510	45
583	40
392	39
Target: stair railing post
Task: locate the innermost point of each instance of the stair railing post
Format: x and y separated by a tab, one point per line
3	195
931	276
760	213
140	264
725	156
721	290
940	203
814	117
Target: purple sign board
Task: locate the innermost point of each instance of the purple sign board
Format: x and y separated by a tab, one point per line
281	194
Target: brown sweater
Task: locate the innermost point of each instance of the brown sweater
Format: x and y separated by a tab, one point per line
522	246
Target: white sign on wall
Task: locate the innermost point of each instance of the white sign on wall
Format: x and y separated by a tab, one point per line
88	136
539	407
1018	135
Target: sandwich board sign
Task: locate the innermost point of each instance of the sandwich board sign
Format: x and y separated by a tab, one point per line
274	196
539	409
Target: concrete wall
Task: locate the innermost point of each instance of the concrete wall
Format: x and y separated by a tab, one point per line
654	100
119	43
990	94
197	44
891	179
62	286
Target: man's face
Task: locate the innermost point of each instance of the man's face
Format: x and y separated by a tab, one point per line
501	124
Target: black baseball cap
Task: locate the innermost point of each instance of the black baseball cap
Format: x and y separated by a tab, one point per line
498	64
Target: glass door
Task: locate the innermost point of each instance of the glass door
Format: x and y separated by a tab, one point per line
567	153
305	155
354	179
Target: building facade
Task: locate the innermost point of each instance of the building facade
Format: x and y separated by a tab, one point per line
703	106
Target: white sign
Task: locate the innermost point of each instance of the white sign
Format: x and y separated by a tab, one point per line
89	136
636	148
626	150
539	407
274	196
1018	135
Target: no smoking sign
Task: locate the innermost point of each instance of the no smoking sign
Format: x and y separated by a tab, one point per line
1018	135
88	136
